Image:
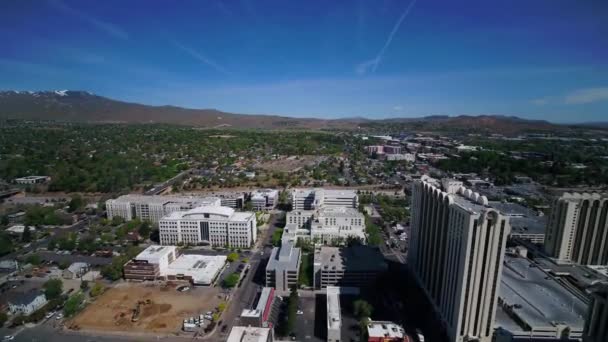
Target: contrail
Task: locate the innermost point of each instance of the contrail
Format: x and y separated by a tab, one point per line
389	40
200	57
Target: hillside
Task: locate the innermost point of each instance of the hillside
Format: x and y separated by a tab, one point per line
82	106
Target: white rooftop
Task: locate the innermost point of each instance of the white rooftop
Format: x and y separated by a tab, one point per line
334	318
200	213
248	334
201	268
154	253
385	329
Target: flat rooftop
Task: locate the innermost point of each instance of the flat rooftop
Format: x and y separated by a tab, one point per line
285	257
537	299
202	268
334	317
385	329
339	212
154	252
159	199
523	220
248	334
358	258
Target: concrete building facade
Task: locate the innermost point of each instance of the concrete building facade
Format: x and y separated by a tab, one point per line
283	267
153	208
311	199
214	225
334	316
457	246
578	229
264	199
356	266
325	225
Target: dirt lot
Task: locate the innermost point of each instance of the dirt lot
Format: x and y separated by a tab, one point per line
290	164
164	313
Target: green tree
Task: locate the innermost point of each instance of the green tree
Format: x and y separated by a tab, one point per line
72	305
292	309
145	229
97	289
362	308
33	259
26	236
76	203
53	288
3	318
230	281
232	257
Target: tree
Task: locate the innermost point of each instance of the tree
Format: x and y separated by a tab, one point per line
53	288
117	220
222	306
362	309
26	236
72	305
144	230
155	236
97	289
231	281
6	244
292	309
33	259
76	203
3	318
232	257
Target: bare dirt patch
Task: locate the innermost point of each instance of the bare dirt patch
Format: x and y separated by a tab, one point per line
161	309
290	164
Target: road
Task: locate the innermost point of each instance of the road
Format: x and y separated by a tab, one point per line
159	188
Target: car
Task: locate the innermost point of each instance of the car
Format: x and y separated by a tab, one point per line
300	312
50	314
58	317
8	338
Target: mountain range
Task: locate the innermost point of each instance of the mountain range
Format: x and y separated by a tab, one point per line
82	106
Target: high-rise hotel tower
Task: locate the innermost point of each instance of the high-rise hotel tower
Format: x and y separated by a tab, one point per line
456	253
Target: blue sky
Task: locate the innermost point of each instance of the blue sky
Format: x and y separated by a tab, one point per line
541	59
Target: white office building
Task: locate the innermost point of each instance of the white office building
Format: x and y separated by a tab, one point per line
264	199
214	225
325	224
577	230
457	247
283	267
153	208
310	199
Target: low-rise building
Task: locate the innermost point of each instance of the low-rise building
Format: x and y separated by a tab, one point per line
283	267
165	263
18	229
386	331
32	180
250	334
355	266
409	157
26	303
213	225
76	270
526	224
264	199
334	315
265	312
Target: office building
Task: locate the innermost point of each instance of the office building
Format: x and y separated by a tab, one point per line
334	316
526	224
264	199
265	312
311	199
577	230
596	324
250	334
209	225
165	263
457	245
533	305
153	208
283	267
385	331
355	266
327	224
410	157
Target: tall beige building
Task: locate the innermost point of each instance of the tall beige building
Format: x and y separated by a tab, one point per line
456	253
596	325
578	229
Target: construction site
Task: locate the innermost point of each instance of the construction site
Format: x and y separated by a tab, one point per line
150	308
